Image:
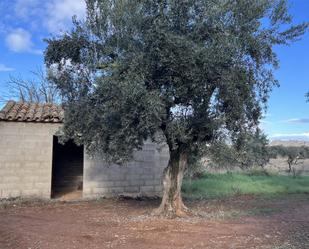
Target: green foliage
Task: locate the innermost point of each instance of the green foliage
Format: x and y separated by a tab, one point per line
187	68
231	184
249	151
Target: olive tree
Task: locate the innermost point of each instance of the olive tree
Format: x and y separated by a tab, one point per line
249	151
186	69
294	154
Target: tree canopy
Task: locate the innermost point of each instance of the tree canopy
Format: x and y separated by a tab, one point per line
193	70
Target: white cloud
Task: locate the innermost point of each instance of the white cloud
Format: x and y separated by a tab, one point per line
298	120
52	15
60	12
19	41
4	68
39	16
304	136
26	9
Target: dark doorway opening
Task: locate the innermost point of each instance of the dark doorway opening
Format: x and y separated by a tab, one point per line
67	170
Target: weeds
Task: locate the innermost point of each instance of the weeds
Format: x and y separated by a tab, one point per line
252	183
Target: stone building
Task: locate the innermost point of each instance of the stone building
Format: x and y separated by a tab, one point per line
34	164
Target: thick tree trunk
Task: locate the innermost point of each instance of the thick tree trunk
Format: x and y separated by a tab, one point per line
172	204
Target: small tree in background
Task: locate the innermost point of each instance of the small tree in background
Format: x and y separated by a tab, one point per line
38	89
294	154
185	69
249	151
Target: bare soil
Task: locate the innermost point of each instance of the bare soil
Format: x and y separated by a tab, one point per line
242	222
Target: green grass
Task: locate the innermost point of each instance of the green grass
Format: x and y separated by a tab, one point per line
233	184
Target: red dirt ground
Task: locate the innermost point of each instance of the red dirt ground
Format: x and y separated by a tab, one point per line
243	222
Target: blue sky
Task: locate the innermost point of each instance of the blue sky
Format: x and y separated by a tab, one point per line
288	111
24	24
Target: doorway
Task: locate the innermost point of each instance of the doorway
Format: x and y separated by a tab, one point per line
67	170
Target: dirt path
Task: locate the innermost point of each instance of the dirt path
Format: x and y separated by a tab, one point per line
235	223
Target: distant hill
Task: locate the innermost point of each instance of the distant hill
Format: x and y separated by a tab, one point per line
289	143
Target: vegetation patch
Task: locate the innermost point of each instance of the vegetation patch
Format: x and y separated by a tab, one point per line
233	184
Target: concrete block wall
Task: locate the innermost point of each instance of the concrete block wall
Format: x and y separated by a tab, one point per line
141	177
26	166
26	159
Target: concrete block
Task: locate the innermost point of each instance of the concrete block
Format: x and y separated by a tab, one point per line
107	184
41	185
30	193
132	177
132	189
159	188
139	182
9	193
147	176
147	189
116	177
116	190
152	182
99	190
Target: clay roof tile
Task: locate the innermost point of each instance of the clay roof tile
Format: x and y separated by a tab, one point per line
31	112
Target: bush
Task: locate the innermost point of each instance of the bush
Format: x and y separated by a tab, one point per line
248	151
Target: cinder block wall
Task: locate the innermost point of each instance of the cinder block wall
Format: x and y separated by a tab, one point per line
26	166
141	177
26	159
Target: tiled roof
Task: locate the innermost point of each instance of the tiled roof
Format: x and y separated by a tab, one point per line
31	112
